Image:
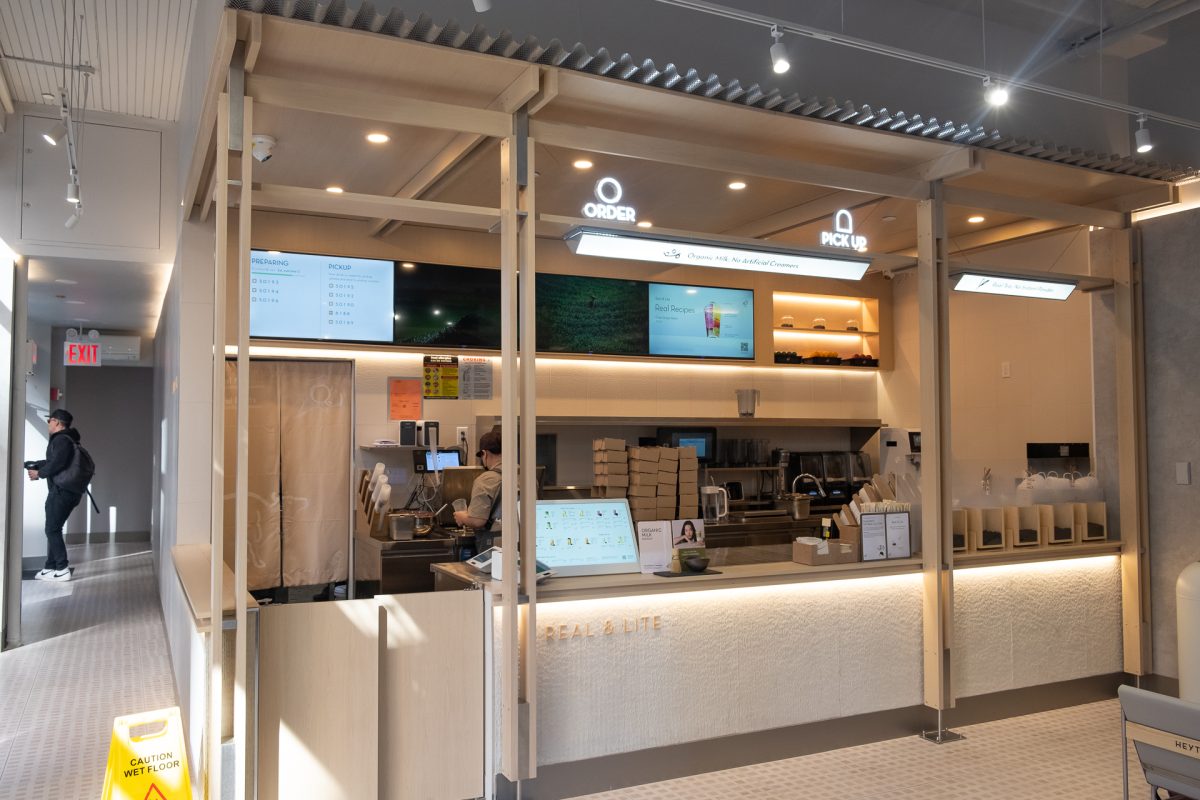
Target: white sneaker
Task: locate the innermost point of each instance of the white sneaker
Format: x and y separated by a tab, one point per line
53	575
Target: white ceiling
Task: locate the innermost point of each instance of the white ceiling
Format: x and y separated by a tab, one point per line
138	48
106	295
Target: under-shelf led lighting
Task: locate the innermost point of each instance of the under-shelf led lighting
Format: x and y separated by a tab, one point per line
661	249
1014	287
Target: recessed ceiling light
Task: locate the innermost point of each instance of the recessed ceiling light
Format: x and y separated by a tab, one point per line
692	291
645	224
75	302
272	252
737	186
81	319
65	280
975	219
888	218
582	163
378	138
334	189
408	265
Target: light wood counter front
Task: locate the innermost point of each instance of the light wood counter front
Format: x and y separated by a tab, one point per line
193	565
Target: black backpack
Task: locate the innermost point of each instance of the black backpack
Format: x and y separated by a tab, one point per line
79	473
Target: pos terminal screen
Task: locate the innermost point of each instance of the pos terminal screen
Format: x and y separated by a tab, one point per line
586	537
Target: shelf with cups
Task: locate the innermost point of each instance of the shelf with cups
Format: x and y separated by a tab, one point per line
826	331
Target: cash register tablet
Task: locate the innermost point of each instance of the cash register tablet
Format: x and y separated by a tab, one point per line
586	537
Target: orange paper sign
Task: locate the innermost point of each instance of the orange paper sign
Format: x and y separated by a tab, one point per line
404	398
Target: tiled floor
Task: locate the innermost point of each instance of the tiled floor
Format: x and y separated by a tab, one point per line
94	649
1068	754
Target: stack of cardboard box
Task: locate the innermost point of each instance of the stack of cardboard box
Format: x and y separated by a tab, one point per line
689	483
668	482
643	483
610	468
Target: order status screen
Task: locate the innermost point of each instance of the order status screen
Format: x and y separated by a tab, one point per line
301	296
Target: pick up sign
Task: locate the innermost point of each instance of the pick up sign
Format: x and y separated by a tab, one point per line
81	354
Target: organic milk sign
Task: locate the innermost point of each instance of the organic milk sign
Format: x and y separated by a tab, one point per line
608	195
843	234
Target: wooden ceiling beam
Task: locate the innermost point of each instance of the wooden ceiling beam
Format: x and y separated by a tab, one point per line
206	124
318	201
524	89
689	154
1034	207
341	101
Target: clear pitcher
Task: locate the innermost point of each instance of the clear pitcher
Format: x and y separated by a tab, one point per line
714	503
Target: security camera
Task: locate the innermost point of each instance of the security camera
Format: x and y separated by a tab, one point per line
263	146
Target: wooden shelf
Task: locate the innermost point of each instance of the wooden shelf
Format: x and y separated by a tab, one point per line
820	331
822	366
1051	552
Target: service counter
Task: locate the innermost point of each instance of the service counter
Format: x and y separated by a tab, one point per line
652	662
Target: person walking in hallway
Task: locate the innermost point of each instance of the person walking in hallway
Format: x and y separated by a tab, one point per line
67	470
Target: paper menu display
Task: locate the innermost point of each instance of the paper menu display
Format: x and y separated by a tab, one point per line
874	537
899	542
654	546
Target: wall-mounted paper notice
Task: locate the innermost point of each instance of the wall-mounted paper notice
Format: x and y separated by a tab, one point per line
474	378
874	537
654	546
404	398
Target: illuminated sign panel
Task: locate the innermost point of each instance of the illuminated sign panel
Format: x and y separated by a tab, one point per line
607	244
81	354
1014	287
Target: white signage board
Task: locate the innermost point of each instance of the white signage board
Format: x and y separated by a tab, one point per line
654	546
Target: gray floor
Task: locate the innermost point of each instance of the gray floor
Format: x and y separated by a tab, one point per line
94	649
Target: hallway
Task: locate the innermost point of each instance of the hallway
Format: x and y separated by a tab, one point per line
95	649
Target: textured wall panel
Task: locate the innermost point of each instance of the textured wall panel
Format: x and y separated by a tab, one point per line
723	662
1169	246
1029	624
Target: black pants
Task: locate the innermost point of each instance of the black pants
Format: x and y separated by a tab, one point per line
59	505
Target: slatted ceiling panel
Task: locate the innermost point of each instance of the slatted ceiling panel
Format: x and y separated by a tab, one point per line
139	49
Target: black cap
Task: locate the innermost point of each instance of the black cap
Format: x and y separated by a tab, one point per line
62	415
490	441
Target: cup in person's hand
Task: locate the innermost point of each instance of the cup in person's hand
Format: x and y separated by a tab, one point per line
459	504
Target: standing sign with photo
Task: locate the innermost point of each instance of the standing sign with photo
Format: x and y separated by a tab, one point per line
687	533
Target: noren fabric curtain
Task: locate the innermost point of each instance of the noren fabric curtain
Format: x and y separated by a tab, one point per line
299	474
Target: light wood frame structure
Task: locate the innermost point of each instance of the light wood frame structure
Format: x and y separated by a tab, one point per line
553	107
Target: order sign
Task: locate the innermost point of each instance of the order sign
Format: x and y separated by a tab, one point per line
440	378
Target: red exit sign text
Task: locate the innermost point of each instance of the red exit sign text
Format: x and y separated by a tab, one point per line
81	354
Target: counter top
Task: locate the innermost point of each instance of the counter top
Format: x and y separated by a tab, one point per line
586	587
193	565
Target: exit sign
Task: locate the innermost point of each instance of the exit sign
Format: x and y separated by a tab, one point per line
81	354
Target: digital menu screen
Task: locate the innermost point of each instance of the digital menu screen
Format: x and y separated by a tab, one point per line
299	296
586	537
701	321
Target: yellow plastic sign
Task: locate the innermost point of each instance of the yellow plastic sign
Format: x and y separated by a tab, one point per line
147	759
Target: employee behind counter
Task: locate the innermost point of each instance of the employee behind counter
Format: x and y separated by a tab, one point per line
483	510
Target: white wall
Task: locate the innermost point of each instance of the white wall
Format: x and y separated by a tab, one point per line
11	369
1047	345
37	406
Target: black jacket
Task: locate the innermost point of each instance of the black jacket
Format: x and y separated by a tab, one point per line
59	452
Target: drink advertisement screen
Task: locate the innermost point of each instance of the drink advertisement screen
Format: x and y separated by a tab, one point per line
299	296
701	321
586	537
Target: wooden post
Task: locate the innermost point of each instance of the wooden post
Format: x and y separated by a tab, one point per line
241	730
508	662
212	737
1114	252
527	244
933	285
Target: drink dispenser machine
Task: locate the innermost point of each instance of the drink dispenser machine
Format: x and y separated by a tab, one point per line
836	467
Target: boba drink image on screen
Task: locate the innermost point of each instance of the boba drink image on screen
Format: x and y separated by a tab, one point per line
701	321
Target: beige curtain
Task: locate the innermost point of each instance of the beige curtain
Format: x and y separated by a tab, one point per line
299	475
315	401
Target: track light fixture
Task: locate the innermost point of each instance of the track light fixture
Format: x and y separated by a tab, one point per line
73	192
779	55
482	5
996	94
1141	137
56	134
73	220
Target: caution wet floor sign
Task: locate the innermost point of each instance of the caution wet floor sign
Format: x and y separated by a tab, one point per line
146	758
